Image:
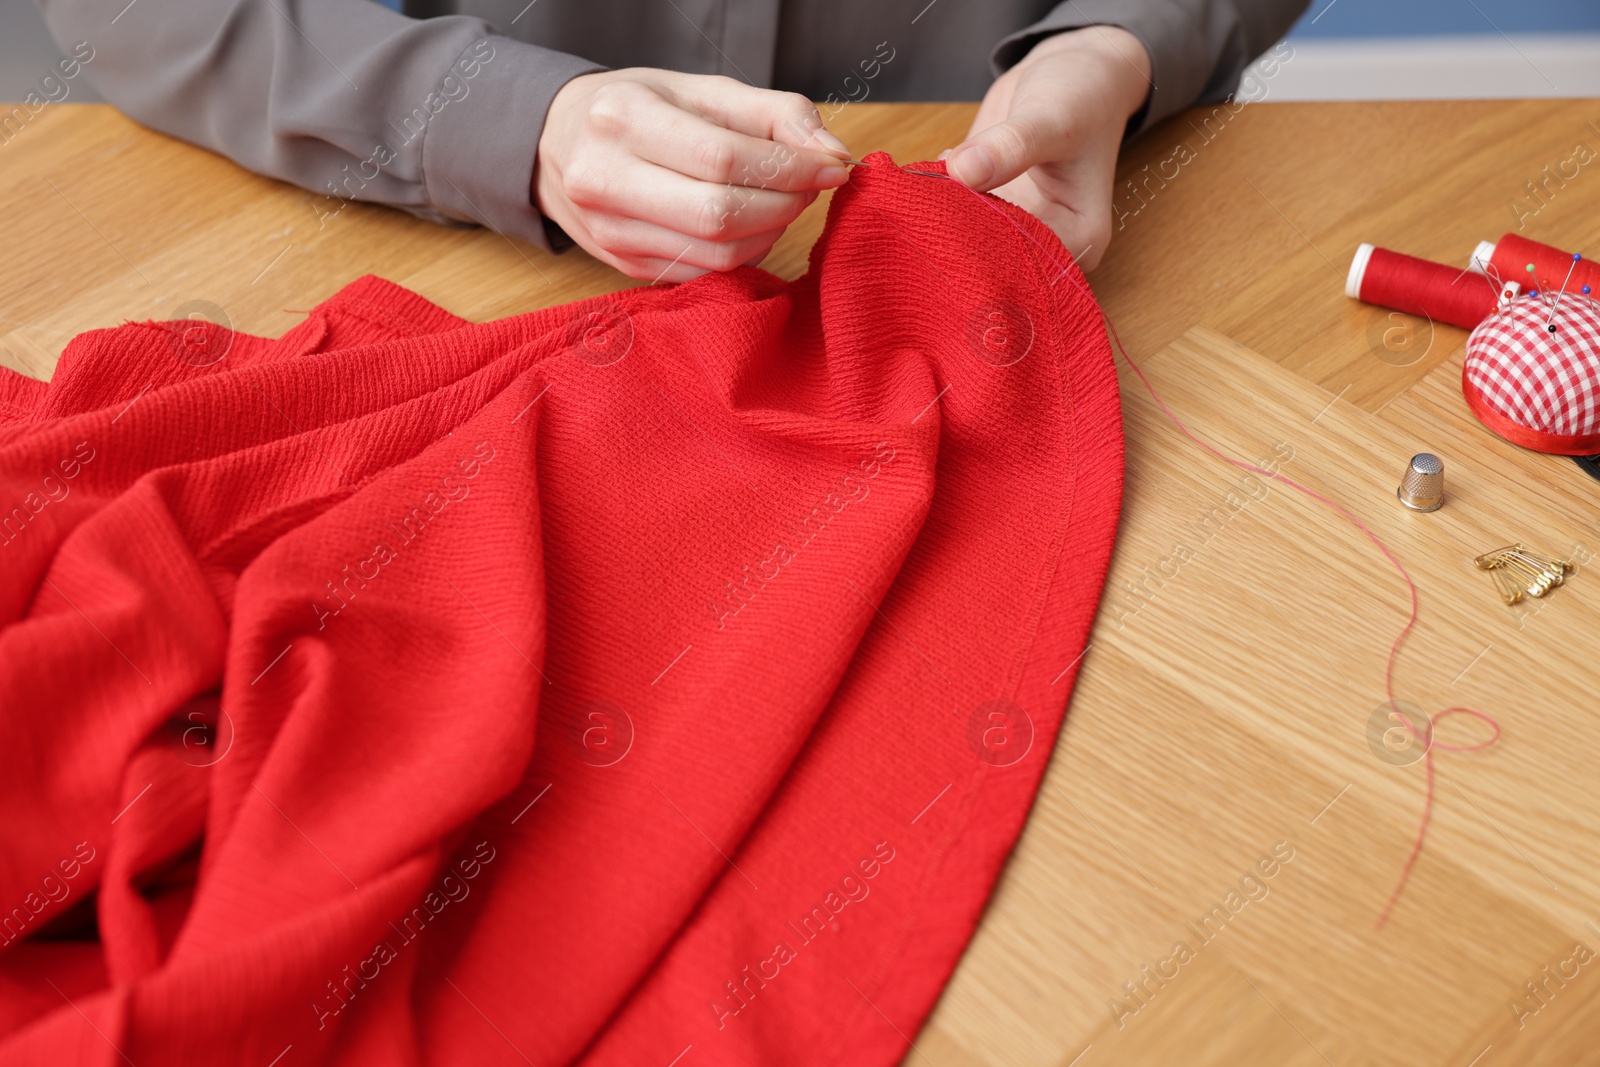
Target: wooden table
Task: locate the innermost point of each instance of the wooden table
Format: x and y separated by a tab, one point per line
1224	705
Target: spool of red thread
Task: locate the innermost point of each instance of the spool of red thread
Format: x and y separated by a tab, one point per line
1421	287
1509	259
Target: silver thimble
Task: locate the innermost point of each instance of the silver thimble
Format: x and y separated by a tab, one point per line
1422	489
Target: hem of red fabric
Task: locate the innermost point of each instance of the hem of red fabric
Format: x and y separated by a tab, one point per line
963	879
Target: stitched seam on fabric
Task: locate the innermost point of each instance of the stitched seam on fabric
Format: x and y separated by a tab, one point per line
1043	582
1047	573
973	787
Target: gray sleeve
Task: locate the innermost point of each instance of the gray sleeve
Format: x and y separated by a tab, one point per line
440	117
1198	48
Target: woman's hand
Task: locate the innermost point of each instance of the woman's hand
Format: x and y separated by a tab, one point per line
1047	134
666	176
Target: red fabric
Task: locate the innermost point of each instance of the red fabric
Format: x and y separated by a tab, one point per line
666	675
1538	387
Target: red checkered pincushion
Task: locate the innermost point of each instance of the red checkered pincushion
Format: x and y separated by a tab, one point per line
1533	386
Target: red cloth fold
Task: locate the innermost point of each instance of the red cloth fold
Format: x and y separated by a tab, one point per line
660	678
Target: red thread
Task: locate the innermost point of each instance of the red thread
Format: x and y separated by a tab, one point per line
1513	254
1394	650
1422	287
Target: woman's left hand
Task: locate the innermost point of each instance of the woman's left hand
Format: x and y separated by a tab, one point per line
1047	134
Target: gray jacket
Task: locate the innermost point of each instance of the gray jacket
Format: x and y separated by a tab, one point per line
438	111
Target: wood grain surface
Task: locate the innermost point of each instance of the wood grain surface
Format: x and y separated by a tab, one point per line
1220	785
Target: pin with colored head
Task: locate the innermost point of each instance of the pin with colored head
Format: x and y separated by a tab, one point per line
1549	322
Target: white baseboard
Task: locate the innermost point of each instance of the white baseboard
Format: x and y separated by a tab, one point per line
1435	68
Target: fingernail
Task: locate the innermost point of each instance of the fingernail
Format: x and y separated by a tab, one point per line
944	155
974	166
830	143
832	176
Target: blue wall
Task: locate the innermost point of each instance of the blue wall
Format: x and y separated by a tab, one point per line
1393	18
1396	18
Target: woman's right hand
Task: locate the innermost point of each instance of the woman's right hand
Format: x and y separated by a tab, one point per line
666	176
